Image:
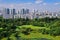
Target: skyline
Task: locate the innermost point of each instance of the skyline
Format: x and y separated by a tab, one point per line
42	5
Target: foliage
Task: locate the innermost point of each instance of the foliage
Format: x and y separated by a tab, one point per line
8	26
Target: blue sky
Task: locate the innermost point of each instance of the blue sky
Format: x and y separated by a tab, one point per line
16	1
53	5
25	1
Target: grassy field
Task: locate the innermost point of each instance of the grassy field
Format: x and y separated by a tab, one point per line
37	34
33	27
33	35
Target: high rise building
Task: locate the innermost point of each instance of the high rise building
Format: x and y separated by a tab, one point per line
23	11
13	11
6	13
27	11
9	13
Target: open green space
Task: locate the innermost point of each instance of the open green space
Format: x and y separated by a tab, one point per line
30	29
37	34
34	35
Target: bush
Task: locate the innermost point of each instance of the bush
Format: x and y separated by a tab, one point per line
27	31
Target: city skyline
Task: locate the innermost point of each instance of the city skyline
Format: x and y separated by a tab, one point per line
42	5
25	13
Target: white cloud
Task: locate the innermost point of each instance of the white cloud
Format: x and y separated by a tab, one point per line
44	3
56	3
42	6
38	1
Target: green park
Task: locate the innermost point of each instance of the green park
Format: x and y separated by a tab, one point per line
30	29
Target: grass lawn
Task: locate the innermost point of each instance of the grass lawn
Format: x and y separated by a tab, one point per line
33	27
34	35
37	34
